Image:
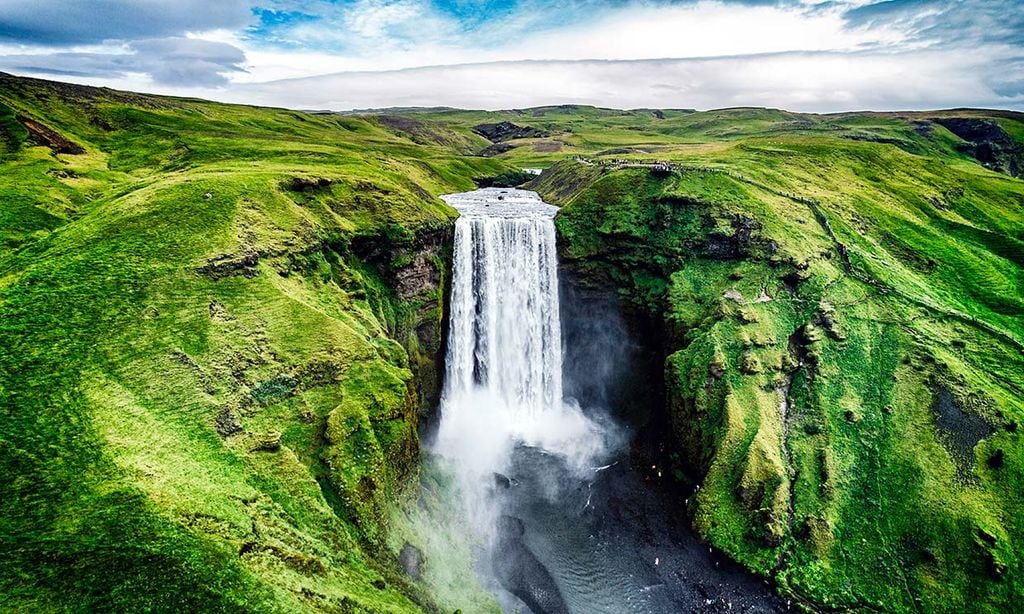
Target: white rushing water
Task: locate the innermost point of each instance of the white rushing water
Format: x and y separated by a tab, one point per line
503	379
505	331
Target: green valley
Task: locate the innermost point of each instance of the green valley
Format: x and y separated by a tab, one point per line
222	330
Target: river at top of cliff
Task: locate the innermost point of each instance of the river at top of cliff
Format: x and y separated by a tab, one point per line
500	202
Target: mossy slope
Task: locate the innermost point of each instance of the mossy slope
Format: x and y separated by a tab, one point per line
219	325
208	402
844	359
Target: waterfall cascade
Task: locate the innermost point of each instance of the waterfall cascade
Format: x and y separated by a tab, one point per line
566	525
503	380
505	333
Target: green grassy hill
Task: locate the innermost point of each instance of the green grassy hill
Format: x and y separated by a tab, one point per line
220	324
215	322
844	366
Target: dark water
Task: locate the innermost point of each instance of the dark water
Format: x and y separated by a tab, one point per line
611	545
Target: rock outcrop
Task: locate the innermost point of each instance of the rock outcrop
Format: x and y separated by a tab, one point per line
507	131
988	142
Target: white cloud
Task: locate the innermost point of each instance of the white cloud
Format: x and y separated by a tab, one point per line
47	22
408	33
810	56
175	61
795	81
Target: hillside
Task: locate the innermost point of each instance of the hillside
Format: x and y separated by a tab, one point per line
220	327
217	323
844	367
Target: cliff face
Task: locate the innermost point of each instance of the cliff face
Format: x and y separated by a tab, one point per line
215	353
416	268
989	142
840	401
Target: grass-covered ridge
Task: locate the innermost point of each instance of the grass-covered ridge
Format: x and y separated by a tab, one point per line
210	321
846	323
219	325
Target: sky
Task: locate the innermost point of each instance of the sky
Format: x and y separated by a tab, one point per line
800	55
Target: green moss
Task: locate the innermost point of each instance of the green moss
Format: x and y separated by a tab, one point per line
208	404
814	305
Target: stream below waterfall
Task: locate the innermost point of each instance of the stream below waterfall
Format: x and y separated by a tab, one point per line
567	525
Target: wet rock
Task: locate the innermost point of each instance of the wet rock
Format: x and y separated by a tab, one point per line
521	573
411	560
510	527
419	276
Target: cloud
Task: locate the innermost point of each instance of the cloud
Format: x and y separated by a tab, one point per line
394	34
422	32
176	61
945	22
799	54
73	22
818	82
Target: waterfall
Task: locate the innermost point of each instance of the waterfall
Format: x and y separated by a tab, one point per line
505	333
503	376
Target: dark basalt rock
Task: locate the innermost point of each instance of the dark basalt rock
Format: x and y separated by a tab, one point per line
988	142
741	239
411	560
46	136
507	131
496	149
230	265
503	481
960	431
228	423
413	265
307	184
